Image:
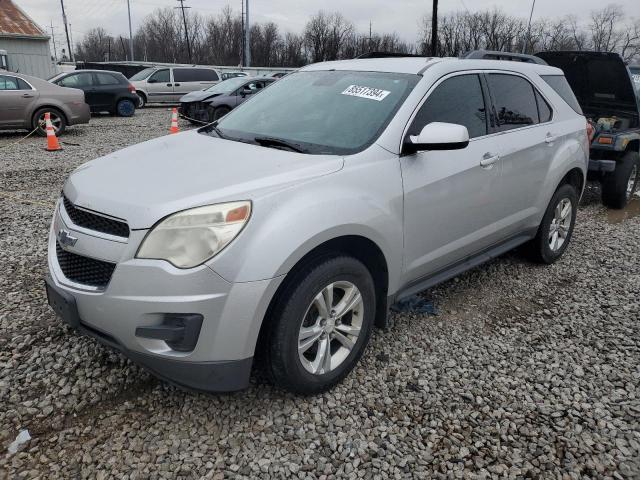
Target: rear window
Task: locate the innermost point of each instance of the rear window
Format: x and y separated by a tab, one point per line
515	101
561	86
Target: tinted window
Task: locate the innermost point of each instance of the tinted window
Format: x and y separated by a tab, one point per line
22	85
107	79
561	86
194	75
8	83
161	76
514	100
544	110
77	80
456	100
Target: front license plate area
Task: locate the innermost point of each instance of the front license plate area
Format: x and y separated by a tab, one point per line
63	304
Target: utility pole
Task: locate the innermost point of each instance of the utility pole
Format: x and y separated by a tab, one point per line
247	36
528	37
186	32
66	30
370	29
434	29
242	60
53	37
130	31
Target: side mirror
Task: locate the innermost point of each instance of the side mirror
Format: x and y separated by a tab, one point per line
246	91
438	136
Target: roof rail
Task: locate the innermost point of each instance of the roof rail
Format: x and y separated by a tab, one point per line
495	55
388	54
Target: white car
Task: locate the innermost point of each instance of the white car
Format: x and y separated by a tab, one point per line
168	84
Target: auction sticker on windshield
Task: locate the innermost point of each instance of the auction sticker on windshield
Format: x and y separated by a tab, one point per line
366	92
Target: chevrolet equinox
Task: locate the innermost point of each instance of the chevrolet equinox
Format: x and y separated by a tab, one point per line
283	231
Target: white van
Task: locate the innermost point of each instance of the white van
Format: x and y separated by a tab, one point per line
168	84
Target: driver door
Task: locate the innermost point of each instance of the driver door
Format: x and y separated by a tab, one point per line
160	86
451	201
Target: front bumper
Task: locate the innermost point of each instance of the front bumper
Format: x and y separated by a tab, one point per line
143	293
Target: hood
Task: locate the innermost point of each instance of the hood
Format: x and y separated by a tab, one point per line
601	82
197	96
146	182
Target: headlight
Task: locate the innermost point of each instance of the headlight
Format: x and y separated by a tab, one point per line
192	237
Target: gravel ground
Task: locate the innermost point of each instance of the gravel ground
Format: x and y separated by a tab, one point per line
526	371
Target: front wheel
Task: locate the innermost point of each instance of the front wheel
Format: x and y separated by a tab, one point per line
556	228
619	186
321	325
142	100
217	113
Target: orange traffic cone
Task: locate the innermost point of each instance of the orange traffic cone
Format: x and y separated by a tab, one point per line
174	121
52	140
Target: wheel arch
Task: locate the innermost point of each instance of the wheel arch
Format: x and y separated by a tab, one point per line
59	108
363	249
575	178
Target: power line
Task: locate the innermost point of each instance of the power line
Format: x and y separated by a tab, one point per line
186	30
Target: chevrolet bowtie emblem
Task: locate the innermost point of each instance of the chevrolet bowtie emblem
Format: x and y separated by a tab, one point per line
65	238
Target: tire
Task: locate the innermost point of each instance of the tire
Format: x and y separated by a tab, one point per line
142	100
618	186
297	309
543	249
58	121
217	113
125	108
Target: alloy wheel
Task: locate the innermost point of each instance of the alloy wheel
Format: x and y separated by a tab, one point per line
56	122
560	224
330	327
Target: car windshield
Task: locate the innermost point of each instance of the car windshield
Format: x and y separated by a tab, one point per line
55	77
319	112
142	74
227	86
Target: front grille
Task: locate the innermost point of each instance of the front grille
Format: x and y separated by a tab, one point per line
95	222
84	270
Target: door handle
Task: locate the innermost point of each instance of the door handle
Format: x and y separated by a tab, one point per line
27	95
488	159
550	138
177	85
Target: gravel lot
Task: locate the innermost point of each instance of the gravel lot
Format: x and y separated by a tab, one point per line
526	371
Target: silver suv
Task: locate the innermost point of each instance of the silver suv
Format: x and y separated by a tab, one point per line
169	84
283	231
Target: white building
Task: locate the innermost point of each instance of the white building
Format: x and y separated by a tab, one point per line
25	43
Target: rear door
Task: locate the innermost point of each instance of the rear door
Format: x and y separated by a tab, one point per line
452	202
526	142
192	79
16	99
108	88
160	86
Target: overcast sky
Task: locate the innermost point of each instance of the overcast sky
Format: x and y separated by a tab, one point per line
401	16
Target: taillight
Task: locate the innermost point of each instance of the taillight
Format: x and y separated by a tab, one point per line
132	89
591	131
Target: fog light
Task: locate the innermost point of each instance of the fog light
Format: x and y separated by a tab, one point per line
179	330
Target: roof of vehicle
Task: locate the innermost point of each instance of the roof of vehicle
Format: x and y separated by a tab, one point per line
91	71
417	65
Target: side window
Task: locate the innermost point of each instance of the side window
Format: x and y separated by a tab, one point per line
8	83
194	75
77	80
22	85
544	110
161	76
456	100
184	75
107	79
207	75
514	99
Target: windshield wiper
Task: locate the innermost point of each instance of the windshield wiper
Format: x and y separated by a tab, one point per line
278	142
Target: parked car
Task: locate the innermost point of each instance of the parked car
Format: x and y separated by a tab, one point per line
104	91
606	93
168	84
279	74
635	75
215	102
24	101
287	227
228	75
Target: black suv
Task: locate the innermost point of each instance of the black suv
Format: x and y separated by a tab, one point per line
104	91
